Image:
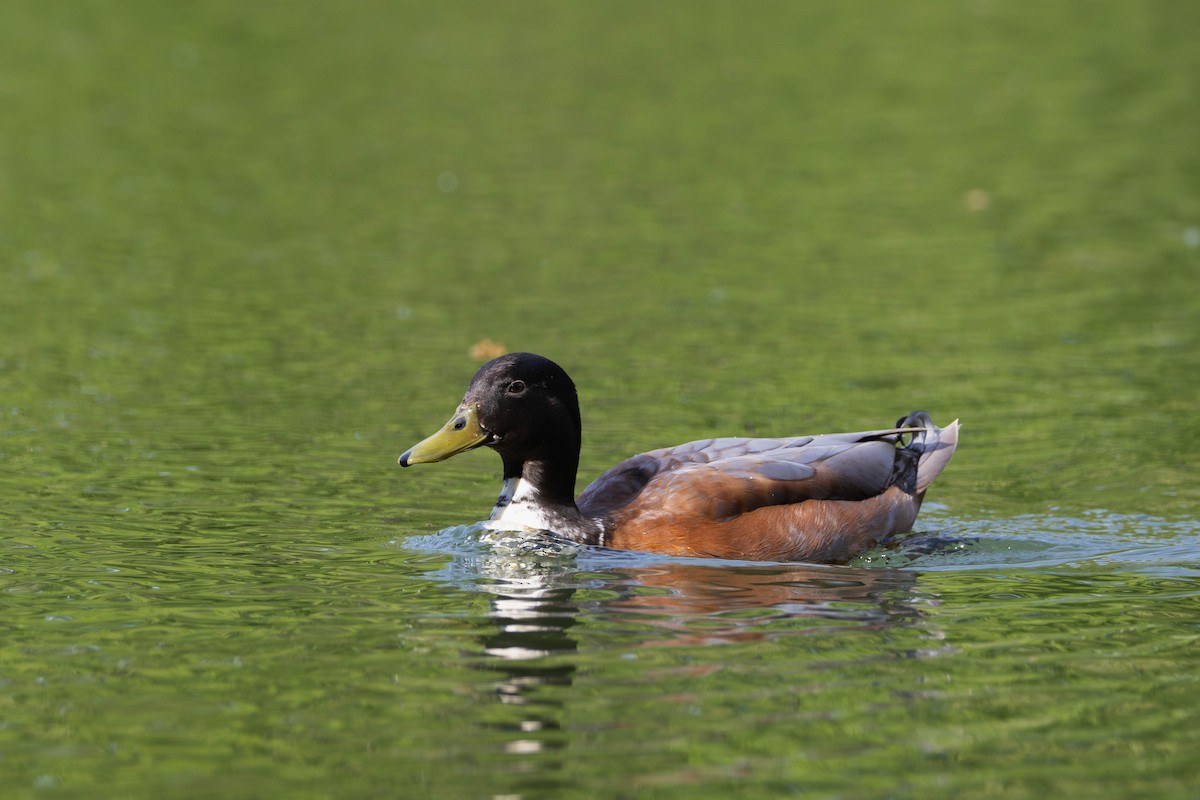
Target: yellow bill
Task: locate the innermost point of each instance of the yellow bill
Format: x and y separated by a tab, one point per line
460	434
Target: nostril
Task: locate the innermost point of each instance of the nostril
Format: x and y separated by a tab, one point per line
460	423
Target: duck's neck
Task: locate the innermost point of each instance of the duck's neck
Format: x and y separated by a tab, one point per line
541	497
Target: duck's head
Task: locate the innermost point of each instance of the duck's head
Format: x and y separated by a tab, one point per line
522	405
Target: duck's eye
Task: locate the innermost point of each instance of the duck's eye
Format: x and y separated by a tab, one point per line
516	387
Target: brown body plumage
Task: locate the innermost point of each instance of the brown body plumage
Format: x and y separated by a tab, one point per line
820	498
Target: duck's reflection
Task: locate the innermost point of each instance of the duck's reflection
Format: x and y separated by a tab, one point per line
701	604
537	606
532	619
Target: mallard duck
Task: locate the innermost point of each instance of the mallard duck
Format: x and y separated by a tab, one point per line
822	498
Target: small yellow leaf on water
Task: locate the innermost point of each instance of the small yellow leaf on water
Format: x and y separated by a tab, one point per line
486	350
977	200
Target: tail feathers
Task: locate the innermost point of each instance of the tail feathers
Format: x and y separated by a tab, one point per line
936	445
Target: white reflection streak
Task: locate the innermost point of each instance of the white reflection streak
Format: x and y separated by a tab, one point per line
519	599
515	653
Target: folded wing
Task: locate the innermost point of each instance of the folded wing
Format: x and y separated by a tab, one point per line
720	479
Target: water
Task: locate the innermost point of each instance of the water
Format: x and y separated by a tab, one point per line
245	255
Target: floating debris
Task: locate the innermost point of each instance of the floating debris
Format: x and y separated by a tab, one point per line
486	350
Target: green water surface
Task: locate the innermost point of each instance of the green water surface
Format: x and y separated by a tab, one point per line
246	250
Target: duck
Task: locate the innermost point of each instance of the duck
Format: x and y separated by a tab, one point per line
823	498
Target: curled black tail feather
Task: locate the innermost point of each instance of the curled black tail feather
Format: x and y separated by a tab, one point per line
935	446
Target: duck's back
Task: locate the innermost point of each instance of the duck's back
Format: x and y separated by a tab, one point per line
808	498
